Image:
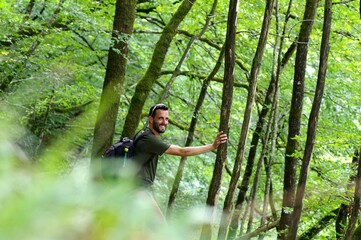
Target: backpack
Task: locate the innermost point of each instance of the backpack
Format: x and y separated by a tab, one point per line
118	155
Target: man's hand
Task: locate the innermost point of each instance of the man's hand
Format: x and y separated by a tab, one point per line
220	138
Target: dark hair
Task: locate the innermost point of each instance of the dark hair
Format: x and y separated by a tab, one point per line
154	108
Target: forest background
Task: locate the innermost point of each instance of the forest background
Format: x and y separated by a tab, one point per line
259	78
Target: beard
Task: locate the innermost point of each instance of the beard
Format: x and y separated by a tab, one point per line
159	128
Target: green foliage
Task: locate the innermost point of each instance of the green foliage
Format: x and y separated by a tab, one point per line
49	98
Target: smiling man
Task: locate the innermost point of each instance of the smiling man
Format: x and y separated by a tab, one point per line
151	146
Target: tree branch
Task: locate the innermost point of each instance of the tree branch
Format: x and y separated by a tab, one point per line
259	230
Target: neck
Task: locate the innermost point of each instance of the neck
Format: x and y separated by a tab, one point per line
154	131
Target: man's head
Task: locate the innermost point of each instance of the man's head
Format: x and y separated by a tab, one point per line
158	118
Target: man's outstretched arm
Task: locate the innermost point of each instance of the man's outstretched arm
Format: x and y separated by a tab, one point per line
192	151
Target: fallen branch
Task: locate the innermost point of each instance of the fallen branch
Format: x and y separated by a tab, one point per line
259	230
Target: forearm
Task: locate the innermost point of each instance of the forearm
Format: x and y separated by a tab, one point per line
189	151
192	151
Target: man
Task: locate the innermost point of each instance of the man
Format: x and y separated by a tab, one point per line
151	146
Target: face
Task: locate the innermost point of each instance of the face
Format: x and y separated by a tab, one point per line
160	121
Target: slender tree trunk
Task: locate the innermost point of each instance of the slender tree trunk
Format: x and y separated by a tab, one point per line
258	173
227	95
341	219
268	163
356	202
186	52
144	86
192	128
273	118
257	134
313	120
294	121
228	203
259	126
243	220
114	78
357	233
181	166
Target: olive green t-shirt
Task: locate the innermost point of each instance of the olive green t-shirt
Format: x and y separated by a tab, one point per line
147	150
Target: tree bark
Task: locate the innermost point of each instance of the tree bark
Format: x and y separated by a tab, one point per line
273	119
114	77
228	203
294	121
227	95
341	221
313	120
356	202
257	134
258	173
192	128
341	218
357	233
144	86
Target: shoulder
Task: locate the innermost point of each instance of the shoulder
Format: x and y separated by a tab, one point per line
154	139
148	137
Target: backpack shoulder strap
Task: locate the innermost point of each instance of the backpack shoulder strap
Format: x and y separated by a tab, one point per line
140	134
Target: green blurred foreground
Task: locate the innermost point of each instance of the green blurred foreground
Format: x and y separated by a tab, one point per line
38	204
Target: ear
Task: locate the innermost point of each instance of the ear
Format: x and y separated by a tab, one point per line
150	119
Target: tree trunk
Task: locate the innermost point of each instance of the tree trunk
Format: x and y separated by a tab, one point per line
144	86
180	170
258	173
356	202
341	221
258	132
273	119
228	203
192	128
114	78
186	52
294	121
357	234
313	120
227	95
